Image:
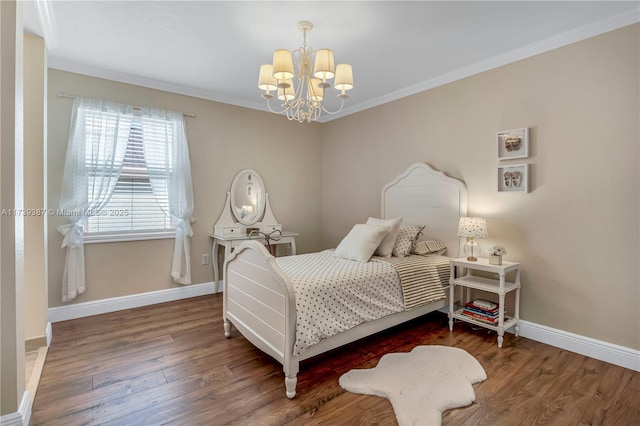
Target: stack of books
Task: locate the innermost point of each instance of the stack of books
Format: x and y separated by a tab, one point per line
482	311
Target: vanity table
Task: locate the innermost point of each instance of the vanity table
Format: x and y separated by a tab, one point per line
247	209
229	243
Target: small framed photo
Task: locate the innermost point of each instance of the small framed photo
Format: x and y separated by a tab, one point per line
513	143
513	178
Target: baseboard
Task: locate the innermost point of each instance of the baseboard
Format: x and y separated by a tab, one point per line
34	343
80	310
604	351
20	417
48	332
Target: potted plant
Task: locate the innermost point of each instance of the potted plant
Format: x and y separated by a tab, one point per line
496	252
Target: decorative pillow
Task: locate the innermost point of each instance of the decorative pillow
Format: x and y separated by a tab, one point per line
361	242
406	237
425	246
386	246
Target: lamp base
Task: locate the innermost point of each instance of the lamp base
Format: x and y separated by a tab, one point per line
471	249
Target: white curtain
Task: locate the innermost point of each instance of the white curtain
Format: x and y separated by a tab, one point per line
98	136
166	152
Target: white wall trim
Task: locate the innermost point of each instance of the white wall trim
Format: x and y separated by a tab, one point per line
47	20
598	349
20	417
48	332
80	310
604	351
562	39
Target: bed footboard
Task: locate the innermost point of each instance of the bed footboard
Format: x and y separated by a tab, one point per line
259	301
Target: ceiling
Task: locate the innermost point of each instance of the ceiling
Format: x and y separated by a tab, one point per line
214	49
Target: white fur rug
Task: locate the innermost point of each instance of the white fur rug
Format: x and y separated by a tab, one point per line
420	384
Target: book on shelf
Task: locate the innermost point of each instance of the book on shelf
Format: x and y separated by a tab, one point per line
484	304
481	311
474	306
480	317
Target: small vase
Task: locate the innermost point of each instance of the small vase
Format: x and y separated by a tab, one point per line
495	260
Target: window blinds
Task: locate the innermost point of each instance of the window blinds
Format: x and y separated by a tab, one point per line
134	206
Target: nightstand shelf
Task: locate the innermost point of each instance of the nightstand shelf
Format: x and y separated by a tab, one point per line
486	284
508	321
499	286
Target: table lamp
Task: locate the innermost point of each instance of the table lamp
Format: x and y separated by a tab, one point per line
472	227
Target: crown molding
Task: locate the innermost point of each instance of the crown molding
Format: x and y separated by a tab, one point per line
46	17
560	40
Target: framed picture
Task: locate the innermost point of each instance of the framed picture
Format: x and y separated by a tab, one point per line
513	143
513	178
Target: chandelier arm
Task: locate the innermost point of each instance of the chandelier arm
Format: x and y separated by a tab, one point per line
333	112
274	111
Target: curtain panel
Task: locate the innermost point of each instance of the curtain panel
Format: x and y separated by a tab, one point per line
98	138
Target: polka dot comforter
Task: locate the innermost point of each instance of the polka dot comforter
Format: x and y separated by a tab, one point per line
334	295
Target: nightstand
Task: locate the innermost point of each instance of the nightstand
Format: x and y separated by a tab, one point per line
499	286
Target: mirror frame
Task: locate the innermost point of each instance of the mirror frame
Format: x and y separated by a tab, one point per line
261	207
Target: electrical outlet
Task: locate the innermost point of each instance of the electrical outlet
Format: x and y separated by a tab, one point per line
205	259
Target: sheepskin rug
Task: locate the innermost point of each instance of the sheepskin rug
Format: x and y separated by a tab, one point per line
420	384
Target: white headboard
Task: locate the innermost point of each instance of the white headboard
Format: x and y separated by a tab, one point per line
423	196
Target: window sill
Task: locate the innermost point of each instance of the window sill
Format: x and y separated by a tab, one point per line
124	237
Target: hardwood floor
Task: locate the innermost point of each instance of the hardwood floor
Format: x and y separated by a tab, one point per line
171	364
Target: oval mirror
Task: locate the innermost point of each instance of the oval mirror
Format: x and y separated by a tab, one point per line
247	197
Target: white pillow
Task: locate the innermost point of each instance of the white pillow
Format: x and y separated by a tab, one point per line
386	246
361	242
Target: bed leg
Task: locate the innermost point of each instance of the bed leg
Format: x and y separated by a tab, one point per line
290	383
227	328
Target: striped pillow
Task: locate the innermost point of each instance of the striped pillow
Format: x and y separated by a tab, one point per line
428	246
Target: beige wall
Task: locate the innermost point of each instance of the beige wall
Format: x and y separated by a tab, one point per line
12	378
577	232
35	280
223	139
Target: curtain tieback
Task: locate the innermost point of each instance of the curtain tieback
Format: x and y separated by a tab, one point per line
73	235
185	226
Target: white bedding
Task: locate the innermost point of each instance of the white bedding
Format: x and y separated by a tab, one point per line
334	295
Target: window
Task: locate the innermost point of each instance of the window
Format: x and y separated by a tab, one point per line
136	209
127	172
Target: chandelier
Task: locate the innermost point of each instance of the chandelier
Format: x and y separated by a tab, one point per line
303	98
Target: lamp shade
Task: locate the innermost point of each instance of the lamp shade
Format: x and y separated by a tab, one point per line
282	64
474	227
316	92
287	93
324	67
266	80
344	77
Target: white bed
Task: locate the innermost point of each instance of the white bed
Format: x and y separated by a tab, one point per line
259	298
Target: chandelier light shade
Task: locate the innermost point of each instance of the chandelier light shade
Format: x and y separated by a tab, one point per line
267	81
472	228
324	67
344	78
301	78
282	65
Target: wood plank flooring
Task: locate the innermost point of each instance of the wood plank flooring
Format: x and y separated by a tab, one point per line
171	364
